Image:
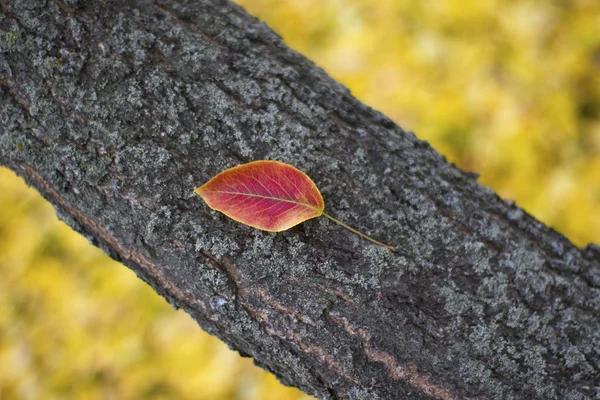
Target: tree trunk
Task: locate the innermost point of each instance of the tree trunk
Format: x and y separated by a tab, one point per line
116	111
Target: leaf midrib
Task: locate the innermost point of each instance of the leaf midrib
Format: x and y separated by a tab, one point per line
269	198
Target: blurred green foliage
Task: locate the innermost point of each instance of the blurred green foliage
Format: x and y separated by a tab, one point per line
509	89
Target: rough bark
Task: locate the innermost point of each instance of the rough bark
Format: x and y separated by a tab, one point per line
116	111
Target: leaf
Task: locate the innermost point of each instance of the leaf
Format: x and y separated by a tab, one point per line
268	195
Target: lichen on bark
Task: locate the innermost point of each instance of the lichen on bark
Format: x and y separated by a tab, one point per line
116	111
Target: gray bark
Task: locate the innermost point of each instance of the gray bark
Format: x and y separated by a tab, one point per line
116	111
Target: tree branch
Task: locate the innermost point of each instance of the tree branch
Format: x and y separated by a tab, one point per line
115	112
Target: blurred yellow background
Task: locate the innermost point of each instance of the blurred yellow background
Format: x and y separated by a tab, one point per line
509	89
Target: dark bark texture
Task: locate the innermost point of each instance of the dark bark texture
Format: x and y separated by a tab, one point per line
116	111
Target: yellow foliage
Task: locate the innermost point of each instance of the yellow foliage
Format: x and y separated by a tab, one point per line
76	325
510	90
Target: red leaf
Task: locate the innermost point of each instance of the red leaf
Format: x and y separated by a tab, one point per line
268	195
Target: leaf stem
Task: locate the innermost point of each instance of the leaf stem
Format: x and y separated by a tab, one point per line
337	221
